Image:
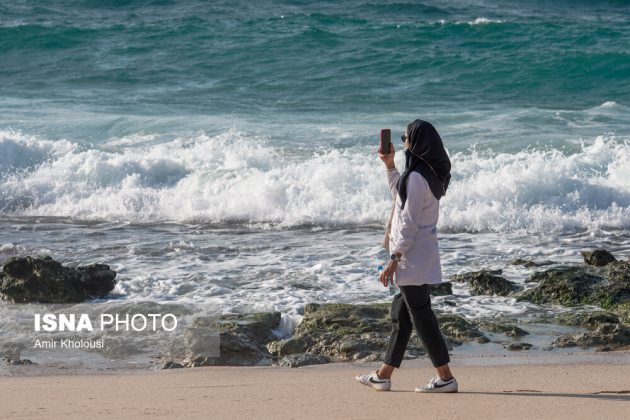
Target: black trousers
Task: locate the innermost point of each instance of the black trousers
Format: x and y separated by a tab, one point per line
412	307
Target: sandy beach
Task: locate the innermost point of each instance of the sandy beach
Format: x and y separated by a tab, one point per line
489	389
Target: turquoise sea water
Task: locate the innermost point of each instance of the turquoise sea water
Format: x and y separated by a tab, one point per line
96	69
227	150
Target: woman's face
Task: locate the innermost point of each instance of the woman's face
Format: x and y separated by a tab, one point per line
407	142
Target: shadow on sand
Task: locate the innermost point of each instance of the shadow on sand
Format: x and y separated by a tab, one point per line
600	395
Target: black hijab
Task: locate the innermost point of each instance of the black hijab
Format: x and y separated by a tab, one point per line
426	155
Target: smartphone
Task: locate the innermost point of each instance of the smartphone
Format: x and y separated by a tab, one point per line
386	140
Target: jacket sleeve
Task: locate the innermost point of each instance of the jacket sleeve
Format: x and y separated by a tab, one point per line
392	180
410	217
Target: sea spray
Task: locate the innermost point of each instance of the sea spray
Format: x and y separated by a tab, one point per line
250	181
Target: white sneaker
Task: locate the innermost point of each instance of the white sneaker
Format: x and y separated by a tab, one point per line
372	379
439	385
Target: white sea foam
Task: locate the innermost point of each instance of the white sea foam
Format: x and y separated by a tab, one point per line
8	248
474	22
235	177
483	21
609	104
541	190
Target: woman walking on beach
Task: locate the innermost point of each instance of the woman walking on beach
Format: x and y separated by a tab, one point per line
415	259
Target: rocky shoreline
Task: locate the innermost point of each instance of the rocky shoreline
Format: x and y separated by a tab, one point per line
331	332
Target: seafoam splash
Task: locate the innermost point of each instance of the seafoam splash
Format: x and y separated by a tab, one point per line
474	22
234	177
483	21
228	177
541	190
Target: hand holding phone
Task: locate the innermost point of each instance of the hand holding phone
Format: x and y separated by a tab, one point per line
386	150
386	141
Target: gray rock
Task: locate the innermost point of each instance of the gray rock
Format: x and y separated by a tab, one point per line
587	319
243	341
12	349
303	359
486	282
614	292
607	286
623	312
366	346
568	286
18	362
605	337
98	279
519	346
516	332
289	346
458	328
369	346
598	257
441	289
529	263
169	364
508	329
44	280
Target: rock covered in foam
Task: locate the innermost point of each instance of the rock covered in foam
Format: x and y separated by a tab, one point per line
44	280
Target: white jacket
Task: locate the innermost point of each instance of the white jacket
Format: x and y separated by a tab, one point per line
414	233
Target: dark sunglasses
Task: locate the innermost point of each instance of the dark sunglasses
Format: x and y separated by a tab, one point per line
403	138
